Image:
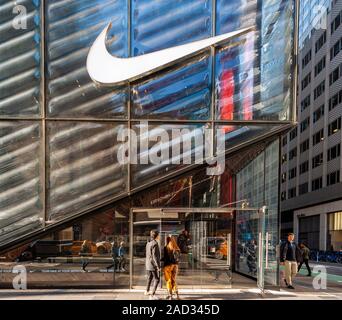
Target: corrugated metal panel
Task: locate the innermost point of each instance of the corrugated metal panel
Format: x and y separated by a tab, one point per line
21	183
83	169
20	59
72	26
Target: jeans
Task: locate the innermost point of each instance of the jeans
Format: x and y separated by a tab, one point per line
306	261
152	275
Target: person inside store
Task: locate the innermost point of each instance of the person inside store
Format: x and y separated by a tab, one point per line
171	260
85	253
121	257
152	264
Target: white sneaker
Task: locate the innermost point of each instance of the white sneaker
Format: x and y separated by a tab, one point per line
154	297
147	293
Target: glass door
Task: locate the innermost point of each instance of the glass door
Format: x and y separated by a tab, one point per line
267	263
204	239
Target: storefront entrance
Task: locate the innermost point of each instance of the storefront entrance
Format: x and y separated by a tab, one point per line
206	240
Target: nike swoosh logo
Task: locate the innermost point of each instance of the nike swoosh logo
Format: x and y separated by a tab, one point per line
106	69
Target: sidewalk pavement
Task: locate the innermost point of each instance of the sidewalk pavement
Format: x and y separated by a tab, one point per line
224	294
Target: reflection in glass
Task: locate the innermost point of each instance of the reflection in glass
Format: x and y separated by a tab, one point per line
83	166
20	59
72	27
171	145
92	252
253	72
21	182
183	94
162	24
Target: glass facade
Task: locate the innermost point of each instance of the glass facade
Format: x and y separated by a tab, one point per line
107	248
61	137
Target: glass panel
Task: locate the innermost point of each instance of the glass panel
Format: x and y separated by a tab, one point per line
83	167
162	24
162	143
92	252
183	94
272	213
20	59
20	178
237	134
253	72
72	27
204	240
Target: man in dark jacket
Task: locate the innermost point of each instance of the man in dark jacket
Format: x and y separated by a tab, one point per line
290	256
152	264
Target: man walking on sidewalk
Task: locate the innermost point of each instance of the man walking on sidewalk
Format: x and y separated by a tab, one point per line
290	256
152	264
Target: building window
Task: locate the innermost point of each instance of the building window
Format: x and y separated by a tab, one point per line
335	100
335	75
334	51
306	81
283	177
293	153
334	152
319	66
284	158
305	102
292	193
293	133
303	188
316	184
334	127
319	90
318	137
304	145
304	167
336	23
304	124
333	178
308	231
317	160
306	59
283	196
292	173
284	141
318	113
334	236
321	41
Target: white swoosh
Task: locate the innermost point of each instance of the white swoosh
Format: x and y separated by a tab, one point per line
107	69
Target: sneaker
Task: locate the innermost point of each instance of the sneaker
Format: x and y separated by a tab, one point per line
168	297
147	293
123	270
290	287
153	297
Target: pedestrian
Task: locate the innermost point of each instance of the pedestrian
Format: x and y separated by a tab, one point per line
121	257
84	253
305	258
171	260
290	256
153	264
114	253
